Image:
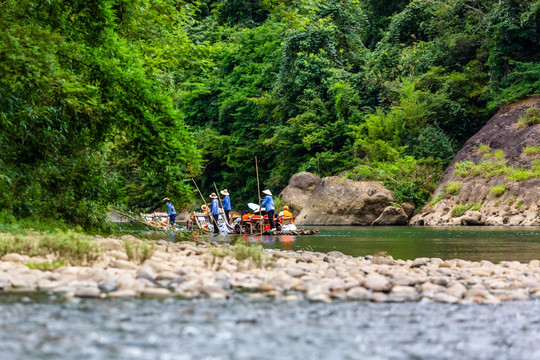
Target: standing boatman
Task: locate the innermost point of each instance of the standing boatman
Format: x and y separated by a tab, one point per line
268	204
170	211
214	209
226	203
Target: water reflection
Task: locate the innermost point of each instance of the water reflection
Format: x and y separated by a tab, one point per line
469	243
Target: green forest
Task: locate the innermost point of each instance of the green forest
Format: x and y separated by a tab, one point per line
118	103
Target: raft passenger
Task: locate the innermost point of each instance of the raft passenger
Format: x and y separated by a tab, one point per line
226	203
268	204
170	210
285	212
214	208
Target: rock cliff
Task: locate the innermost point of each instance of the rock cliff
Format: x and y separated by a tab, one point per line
495	178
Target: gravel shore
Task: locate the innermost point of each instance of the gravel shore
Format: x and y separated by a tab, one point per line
200	269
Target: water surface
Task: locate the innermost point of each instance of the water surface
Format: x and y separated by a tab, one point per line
49	328
403	242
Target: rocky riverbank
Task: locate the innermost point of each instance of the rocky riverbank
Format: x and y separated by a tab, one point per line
495	178
201	269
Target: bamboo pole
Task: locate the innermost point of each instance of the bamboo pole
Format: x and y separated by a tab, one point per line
221	203
202	197
219	197
135	219
259	195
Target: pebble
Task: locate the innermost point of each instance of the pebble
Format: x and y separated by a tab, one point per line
377	282
123	264
287	276
13	257
88	292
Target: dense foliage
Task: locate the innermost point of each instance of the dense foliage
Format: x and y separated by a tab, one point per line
385	90
86	107
122	102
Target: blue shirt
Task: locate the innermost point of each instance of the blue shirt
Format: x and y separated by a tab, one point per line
227	203
268	203
170	209
214	206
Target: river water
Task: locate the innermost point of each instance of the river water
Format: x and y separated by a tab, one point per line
42	326
468	243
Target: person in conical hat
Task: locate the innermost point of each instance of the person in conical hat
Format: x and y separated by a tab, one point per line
170	210
214	209
268	204
226	202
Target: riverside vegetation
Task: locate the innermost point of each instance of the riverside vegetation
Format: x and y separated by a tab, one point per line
99	267
116	102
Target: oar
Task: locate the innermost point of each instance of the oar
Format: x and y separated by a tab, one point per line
259	195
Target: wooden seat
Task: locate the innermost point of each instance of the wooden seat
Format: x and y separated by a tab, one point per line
245	227
286	220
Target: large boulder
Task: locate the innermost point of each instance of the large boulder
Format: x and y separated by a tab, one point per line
474	199
299	190
392	215
340	201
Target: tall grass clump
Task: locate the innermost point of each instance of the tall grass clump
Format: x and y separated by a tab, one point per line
530	117
453	188
139	252
519	174
459	210
498	190
485	169
483	150
532	150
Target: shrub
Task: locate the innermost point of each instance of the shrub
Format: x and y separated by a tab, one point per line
475	207
498	190
453	188
459	210
434	142
484	150
439	198
410	179
531	116
498	154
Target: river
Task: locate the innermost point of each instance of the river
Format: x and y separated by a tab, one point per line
43	326
468	243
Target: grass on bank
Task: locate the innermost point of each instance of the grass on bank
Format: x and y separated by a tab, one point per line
459	210
139	252
248	255
67	247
